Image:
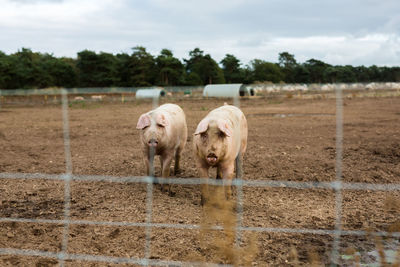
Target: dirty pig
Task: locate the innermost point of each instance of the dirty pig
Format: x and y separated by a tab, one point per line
219	141
163	131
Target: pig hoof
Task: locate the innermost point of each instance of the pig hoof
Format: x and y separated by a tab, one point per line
171	193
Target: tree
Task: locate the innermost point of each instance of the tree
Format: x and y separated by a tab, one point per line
331	74
388	74
106	70
288	63
86	63
28	69
193	79
6	71
96	69
170	68
65	72
301	74
362	74
340	74
395	74
59	72
316	69
265	71
231	68
123	76
142	68
346	74
374	73
204	67
287	60
23	64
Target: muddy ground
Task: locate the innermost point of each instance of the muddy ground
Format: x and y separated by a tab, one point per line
290	139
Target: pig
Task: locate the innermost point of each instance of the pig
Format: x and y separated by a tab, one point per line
220	139
164	131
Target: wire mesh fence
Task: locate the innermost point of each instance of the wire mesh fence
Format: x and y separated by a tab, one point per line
68	177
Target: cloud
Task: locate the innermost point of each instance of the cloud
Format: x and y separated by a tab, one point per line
338	32
58	15
36	1
379	49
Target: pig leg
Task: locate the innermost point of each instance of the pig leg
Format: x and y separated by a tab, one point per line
203	173
161	163
166	163
227	175
219	172
178	154
156	180
177	159
239	166
243	132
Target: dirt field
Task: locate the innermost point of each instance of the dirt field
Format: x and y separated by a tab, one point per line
289	139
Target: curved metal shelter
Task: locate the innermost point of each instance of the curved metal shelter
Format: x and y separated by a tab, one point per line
150	93
227	90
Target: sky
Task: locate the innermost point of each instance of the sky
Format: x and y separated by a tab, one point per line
338	32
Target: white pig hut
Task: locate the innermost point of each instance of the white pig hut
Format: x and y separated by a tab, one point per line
150	93
227	90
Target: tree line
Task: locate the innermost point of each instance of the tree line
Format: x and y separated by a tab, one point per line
27	69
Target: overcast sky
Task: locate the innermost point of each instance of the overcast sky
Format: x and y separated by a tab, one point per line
339	32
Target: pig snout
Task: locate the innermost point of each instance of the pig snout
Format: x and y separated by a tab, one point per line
212	159
152	142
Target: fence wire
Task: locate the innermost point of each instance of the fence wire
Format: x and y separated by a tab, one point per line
200	181
337	186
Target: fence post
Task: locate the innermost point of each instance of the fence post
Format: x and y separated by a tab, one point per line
239	185
149	197
67	178
338	182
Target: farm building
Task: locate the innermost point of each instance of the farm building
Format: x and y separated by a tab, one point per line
150	93
227	90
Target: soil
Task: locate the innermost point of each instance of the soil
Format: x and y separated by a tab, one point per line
290	139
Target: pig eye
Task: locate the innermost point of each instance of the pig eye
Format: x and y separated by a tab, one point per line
204	136
160	125
221	134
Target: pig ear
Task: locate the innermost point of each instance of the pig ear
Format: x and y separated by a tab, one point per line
224	127
162	120
143	121
202	127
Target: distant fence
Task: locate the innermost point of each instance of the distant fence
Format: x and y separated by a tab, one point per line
94	90
268	87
